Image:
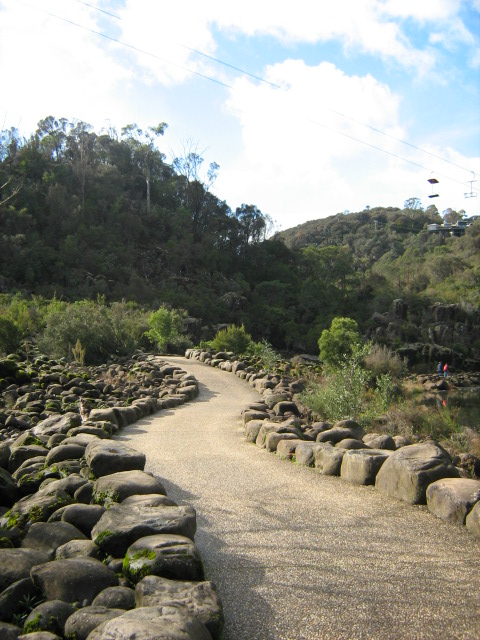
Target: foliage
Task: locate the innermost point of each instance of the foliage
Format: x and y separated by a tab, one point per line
165	328
341	394
84	214
338	343
269	358
383	361
232	338
9	335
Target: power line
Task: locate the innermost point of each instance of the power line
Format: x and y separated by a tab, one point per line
223	84
112	15
277	86
125	44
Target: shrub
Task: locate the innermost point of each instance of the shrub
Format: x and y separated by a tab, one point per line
85	321
166	329
381	360
232	338
9	335
341	394
338	343
269	358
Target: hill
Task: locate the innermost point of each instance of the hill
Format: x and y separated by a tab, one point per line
104	216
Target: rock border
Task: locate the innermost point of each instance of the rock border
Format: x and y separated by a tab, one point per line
90	544
414	472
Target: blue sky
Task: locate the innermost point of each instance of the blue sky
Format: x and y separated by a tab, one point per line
352	80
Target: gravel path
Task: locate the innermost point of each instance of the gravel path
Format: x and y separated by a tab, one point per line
300	556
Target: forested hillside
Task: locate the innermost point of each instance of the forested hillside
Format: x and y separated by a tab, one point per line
84	215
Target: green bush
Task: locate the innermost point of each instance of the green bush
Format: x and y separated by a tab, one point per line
269	358
10	335
86	321
232	338
342	394
338	343
166	329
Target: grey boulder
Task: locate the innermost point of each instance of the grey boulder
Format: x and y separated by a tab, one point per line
166	555
407	472
452	499
200	598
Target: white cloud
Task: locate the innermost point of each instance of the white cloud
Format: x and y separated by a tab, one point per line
294	154
46	62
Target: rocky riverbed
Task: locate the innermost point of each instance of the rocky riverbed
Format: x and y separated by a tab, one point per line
90	544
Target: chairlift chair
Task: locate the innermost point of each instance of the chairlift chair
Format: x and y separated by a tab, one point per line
433	181
471	193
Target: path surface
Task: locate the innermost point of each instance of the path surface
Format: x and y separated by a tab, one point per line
300	556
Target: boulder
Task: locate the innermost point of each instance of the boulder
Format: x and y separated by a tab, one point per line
70	484
473	520
328	460
16	564
57	423
287	446
115	598
150	500
64	452
274	438
380	441
105	457
83	516
78	549
452	499
166	555
305	453
37	507
12	598
352	443
8	489
407	472
48	536
49	616
10	631
251	430
360	466
121	525
121	485
337	434
73	579
200	598
284	407
20	454
82	622
164	622
275	427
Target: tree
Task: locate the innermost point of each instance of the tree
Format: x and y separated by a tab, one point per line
414	204
452	217
252	223
144	153
165	327
196	184
338	343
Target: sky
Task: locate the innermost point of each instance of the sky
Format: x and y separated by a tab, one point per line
310	108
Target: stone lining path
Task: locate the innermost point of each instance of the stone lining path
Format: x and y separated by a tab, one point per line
300	556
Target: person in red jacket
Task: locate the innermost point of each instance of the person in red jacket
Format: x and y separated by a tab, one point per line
445	370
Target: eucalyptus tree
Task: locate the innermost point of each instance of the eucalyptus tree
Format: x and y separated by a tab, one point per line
196	183
145	155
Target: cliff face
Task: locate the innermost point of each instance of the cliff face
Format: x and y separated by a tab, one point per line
441	332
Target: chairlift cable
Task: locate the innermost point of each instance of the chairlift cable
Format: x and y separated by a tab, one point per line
223	84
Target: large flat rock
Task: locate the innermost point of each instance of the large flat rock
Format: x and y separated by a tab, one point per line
110	456
451	499
122	525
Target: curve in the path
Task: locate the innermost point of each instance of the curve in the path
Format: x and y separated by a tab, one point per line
300	556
